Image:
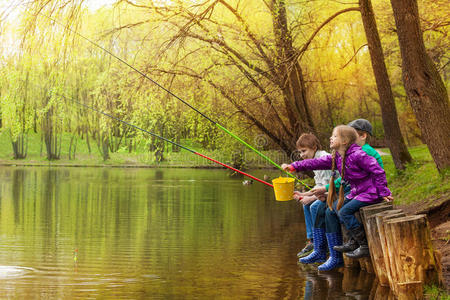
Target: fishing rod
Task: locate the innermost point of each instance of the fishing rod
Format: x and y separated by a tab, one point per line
178	98
165	139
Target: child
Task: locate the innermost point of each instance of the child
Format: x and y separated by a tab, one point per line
368	186
308	146
364	129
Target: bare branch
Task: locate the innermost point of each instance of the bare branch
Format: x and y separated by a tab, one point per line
306	45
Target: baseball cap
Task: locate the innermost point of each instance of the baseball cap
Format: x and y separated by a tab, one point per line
361	124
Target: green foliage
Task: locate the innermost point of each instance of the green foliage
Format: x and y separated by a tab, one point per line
338	77
420	181
435	293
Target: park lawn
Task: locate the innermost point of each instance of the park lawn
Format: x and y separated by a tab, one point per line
420	182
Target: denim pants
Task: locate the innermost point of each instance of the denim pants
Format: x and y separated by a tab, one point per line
311	210
346	215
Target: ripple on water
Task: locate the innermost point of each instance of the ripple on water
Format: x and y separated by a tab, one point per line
7	272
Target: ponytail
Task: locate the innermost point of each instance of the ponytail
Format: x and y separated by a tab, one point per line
341	188
331	187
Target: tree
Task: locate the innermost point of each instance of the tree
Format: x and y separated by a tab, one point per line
268	60
391	126
423	84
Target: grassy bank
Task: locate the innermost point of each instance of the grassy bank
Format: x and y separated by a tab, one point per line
140	157
420	181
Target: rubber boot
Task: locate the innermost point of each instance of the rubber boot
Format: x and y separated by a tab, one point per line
320	249
335	260
348	246
360	237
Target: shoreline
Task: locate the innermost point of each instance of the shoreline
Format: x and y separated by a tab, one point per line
78	165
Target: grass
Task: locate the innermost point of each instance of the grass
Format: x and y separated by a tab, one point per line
435	293
140	158
420	181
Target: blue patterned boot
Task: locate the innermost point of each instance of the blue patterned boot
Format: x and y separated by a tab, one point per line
335	260
320	248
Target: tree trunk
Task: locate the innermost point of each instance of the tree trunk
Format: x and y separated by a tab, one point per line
391	126
423	84
291	79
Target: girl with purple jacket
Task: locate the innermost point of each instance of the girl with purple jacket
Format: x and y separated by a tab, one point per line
368	186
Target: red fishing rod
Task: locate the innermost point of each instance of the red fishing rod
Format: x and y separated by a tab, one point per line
167	140
177	97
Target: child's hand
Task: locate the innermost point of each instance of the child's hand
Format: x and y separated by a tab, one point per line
288	168
298	196
318	191
388	198
308	199
322	197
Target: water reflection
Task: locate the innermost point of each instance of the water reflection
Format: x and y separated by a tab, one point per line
154	234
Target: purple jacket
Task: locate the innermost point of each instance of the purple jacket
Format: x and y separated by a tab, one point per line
365	176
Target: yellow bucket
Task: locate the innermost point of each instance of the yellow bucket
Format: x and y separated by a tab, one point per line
284	188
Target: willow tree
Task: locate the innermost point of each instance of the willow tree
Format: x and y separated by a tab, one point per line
17	107
256	68
423	84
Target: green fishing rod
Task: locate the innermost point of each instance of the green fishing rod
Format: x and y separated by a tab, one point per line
177	97
165	139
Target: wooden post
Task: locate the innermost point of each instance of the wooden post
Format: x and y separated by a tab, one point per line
410	254
410	290
378	252
373	209
379	292
366	212
351	275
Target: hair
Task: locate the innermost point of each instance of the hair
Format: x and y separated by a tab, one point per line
361	132
308	140
348	136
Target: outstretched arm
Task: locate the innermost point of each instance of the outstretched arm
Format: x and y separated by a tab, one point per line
321	163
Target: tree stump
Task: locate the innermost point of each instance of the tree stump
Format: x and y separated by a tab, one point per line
366	212
410	290
411	255
378	252
380	292
366	264
351	275
373	209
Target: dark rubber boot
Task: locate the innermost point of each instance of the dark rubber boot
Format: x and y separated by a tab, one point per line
360	237
348	246
320	248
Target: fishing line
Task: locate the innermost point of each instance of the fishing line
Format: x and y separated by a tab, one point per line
165	139
177	97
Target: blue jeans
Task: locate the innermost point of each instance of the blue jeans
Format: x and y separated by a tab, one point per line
346	215
311	211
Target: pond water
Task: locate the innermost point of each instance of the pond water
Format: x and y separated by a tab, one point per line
109	233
